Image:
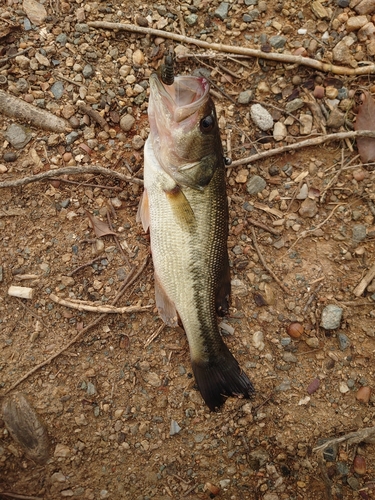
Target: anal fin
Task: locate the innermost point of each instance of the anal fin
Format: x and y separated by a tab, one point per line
166	307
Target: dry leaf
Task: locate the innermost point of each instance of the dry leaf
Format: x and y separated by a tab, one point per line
101	228
36	159
366	121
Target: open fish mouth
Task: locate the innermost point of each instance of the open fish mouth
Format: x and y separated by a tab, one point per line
183	98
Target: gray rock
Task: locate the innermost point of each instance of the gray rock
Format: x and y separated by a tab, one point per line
57	89
294	105
91	389
336	119
288	357
261	117
343	3
82	28
262	6
277	41
331	317
359	232
353	483
137	142
344	341
9	156
245	97
126	122
88	71
251	16
191	19
222	11
308	208
256	184
342	93
17	135
72	137
251	2
22	85
62	38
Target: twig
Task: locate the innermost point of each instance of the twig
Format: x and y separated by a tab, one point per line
131	278
95	115
255	243
366	435
153	336
218	88
92	169
108	309
254	222
14	107
87	184
16	495
59	75
283	58
5	59
315	141
84	265
365	281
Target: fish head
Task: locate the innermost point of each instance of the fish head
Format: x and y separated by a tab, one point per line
184	130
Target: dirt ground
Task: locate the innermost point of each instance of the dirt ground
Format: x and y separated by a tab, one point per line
123	416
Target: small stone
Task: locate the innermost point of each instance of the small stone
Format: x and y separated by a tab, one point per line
308	208
258	340
364	7
312	342
152	379
319	92
137	142
363	394
138	57
256	184
245	97
67	493
355	23
61	450
279	131
35	11
17	135
341	52
353	483
58	477
359	232
250	16
91	389
344	342
3	169
336	119
191	19
82	28
303	192
343	3
261	117
242	176
57	90
88	71
331	317
277	41
313	386
222	11
10	156
127	122
175	428
306	124
359	465
343	388
292	106
42	59
319	10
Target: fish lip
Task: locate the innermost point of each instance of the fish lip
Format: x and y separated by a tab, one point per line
166	95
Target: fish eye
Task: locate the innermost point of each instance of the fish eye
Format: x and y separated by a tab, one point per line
207	124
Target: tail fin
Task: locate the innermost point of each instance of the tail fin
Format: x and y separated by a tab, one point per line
221	377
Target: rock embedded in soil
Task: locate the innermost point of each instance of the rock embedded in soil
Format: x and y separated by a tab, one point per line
17	135
308	208
331	317
363	394
245	97
222	11
127	122
344	342
256	184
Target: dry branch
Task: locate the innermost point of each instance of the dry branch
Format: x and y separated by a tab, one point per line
108	309
14	107
366	435
95	115
315	141
366	280
93	169
244	51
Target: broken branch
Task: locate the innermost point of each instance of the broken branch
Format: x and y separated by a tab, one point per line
108	309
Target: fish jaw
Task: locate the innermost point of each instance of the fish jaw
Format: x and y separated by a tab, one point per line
176	112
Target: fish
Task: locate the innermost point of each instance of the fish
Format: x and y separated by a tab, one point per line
184	206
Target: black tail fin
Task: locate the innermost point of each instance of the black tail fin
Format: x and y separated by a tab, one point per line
221	377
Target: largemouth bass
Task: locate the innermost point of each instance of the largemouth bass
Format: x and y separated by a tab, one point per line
184	205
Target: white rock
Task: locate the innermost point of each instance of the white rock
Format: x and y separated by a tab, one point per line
306	126
343	387
258	340
261	117
279	131
304	191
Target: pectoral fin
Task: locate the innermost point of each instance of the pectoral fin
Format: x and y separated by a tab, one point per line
181	208
143	213
166	307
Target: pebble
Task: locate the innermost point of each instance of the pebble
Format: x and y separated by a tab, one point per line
353	483
17	135
331	317
359	232
137	142
222	11
308	208
88	71
175	428
364	7
191	19
277	41
245	97
306	124
363	394
138	57
152	379
58	477
256	184
127	122
313	386
261	117
344	342
279	131
303	192
258	340
10	156
91	389
35	11
61	450
57	90
251	16
293	105
336	119
343	388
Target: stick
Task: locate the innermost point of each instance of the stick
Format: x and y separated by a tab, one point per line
283	58
367	435
20	497
315	141
14	107
95	115
131	278
265	264
92	169
98	309
254	222
365	281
